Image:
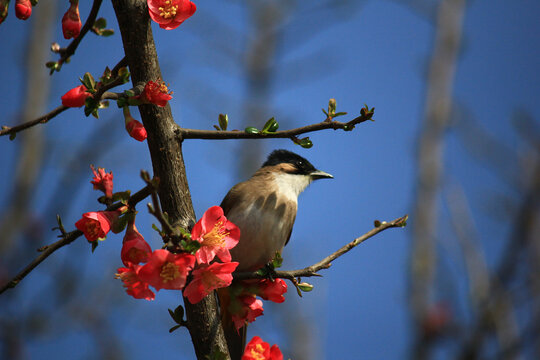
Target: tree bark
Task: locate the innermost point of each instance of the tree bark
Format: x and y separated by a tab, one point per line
167	160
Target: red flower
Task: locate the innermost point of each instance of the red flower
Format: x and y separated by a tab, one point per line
95	225
71	21
207	278
135	129
169	14
272	290
75	97
134	286
166	270
216	234
102	181
245	308
135	249
23	9
257	349
155	93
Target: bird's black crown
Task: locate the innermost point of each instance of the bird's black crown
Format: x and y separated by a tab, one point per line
284	156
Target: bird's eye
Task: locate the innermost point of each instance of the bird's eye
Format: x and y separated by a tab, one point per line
299	163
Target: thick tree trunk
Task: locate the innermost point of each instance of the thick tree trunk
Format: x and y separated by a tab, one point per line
167	161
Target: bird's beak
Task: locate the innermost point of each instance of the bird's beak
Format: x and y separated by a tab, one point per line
318	174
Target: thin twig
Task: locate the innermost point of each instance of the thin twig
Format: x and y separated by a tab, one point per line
40	120
291	134
70	49
155	209
102	90
66	239
101	93
327	261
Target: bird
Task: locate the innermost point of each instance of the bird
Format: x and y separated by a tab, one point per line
264	208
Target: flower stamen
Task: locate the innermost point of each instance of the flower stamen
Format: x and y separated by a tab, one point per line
169	272
216	237
168	10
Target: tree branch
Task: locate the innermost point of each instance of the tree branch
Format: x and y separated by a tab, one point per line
327	261
67	238
100	94
291	134
6	130
66	52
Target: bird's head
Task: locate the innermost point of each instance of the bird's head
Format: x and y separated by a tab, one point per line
292	171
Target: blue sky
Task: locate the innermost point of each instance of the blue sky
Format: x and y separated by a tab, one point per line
374	53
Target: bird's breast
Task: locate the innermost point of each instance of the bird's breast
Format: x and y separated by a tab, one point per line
265	226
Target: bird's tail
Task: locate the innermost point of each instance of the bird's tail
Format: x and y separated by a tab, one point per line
236	339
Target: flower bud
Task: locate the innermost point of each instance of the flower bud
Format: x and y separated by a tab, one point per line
23	9
332	106
75	97
134	128
55	47
71	21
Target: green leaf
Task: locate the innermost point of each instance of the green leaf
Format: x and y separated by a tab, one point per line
377	223
298	291
123	74
305	287
251	130
305	143
95	244
277	261
120	224
191	246
12	136
216	127
106	32
95	113
91	106
88	81
106	77
122	196
340	114
177	315
100	23
223	120
270	126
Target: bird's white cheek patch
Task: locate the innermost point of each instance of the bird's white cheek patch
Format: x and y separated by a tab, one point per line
290	185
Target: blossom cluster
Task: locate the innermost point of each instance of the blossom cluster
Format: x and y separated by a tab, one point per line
197	273
169	14
154	92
